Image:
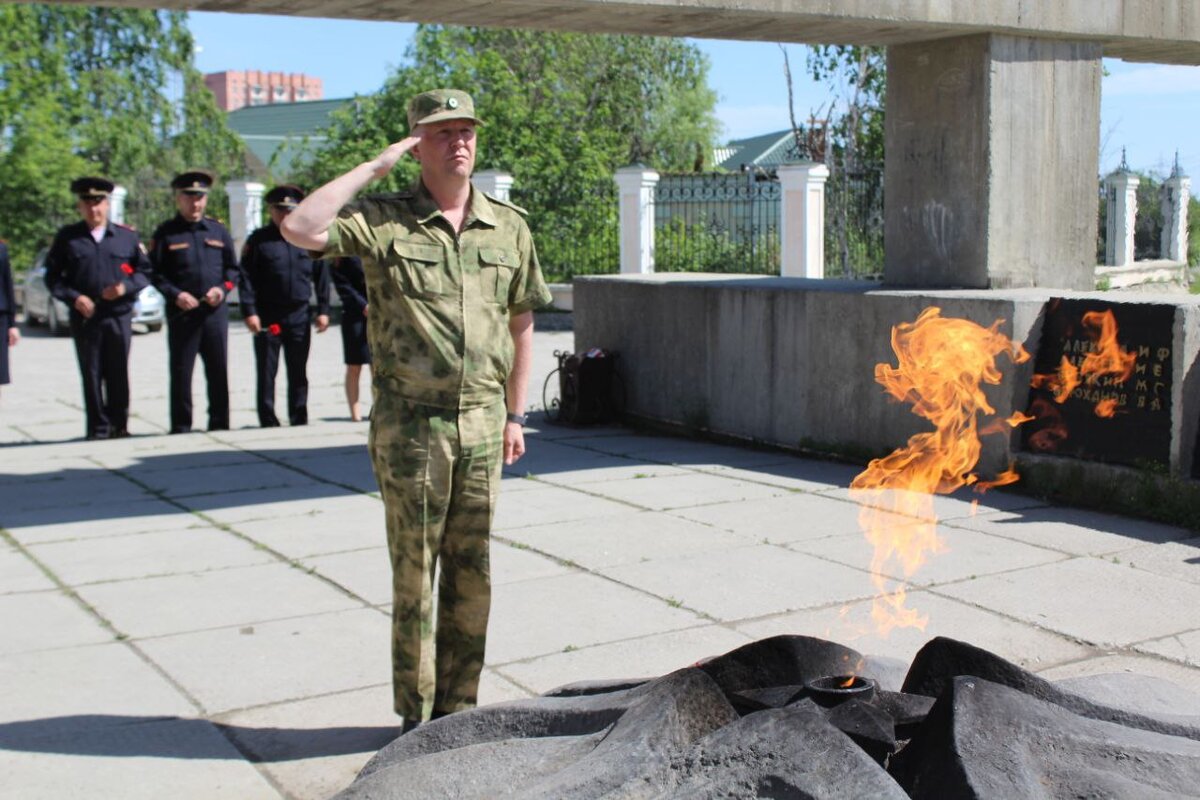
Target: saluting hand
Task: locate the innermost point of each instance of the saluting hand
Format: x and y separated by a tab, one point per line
186	301
85	306
394	152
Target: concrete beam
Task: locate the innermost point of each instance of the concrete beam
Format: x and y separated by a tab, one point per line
1166	31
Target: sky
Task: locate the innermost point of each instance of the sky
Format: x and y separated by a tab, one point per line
1152	110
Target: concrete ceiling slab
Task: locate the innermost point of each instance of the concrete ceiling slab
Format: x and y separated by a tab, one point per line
1165	31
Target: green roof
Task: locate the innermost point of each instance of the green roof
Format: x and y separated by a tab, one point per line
283	131
765	150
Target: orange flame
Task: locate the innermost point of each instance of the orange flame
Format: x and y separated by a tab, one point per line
1062	383
1108	358
1106	408
846	684
942	363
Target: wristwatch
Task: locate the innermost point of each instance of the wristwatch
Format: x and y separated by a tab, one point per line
520	419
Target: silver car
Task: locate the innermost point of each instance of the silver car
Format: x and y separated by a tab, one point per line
149	309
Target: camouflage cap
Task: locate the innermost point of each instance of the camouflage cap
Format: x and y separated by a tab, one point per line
440	104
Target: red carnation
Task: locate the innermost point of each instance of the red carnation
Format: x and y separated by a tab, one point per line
274	329
128	270
228	286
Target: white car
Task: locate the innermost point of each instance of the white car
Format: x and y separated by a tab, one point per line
149	309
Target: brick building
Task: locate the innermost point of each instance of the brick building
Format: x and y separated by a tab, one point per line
236	89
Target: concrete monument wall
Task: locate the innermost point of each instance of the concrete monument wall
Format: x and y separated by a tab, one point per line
790	362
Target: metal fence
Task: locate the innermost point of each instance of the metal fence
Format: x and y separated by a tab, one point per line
717	222
854	221
576	229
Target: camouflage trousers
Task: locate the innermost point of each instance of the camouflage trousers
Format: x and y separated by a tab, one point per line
439	473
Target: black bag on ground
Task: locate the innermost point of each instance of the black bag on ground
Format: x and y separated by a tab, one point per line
589	389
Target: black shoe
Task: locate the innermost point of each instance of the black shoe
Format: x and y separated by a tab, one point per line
439	714
409	725
119	433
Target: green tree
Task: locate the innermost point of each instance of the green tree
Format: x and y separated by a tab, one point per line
562	111
85	90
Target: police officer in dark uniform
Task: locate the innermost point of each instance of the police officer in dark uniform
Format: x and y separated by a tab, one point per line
351	286
278	279
195	267
97	268
9	333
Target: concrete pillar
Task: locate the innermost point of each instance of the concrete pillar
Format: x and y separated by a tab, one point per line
802	220
245	209
116	204
493	182
1176	192
993	146
635	187
1122	215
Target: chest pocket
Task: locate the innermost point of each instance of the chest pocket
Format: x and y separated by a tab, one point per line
417	269
496	269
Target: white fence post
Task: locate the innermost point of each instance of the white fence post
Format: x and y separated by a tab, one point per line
1176	191
245	210
493	182
802	220
116	204
1122	214
635	185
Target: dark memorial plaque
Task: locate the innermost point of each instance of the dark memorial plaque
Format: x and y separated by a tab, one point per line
1140	429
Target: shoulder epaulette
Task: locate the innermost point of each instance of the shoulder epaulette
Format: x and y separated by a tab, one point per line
126	227
217	220
507	204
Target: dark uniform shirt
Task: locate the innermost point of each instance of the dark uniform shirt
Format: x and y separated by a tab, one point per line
192	257
8	300
79	265
351	284
277	273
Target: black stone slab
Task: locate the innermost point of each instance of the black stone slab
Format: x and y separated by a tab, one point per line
1141	430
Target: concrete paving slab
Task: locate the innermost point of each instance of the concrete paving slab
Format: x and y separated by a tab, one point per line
314	748
184	759
852	626
496	688
790	517
257	475
366	574
235	507
962	504
45	620
793	473
750	581
538	617
548	504
1073	530
185	459
19	574
628	538
31	464
963	554
222	598
349	526
683	452
665	492
649	656
1181	647
539	428
54	523
1175	559
1088	599
1128	663
565	463
234	668
141	555
54	687
511	564
606	468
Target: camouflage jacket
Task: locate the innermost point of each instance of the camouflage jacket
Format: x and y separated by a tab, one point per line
440	302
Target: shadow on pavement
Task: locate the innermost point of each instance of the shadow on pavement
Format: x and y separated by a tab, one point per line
133	736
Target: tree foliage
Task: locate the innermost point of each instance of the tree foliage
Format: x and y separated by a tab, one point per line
562	111
84	90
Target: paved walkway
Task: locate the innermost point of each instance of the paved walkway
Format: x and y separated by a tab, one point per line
205	616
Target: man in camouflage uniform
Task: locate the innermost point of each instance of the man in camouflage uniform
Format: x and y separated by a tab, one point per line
452	281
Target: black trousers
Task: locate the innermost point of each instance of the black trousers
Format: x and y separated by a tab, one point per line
203	331
295	339
102	349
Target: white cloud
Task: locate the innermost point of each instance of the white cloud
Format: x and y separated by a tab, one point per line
1152	79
